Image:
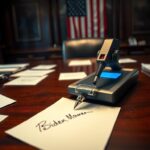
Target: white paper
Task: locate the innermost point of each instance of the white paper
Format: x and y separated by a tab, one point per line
9	69
79	62
127	60
32	73
44	67
26	81
60	127
4	101
2	117
72	75
14	65
145	66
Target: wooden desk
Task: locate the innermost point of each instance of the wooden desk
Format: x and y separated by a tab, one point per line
132	128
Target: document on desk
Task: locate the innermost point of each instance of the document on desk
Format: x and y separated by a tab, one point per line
9	70
80	63
22	81
44	67
60	127
72	75
127	60
12	68
32	73
4	101
14	65
145	68
2	117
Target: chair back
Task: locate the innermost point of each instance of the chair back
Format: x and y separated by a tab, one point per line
81	48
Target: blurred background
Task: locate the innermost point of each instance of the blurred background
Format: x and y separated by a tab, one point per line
36	29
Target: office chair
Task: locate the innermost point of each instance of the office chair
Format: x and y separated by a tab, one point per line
81	48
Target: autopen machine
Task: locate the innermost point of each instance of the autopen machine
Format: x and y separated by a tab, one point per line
109	82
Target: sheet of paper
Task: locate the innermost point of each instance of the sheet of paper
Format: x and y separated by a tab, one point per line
9	69
72	75
44	67
60	127
25	81
32	73
14	65
2	117
4	101
127	60
146	66
80	63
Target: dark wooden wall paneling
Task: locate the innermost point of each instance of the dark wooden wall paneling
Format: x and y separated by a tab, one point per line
43	24
52	16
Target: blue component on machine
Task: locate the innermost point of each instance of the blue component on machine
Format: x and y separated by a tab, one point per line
110	75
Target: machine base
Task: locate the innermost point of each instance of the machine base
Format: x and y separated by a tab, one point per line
107	89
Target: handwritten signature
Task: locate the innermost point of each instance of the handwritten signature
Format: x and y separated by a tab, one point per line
45	125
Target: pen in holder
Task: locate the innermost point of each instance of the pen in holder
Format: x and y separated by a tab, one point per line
82	91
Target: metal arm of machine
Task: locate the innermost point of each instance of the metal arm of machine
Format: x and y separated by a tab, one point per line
107	56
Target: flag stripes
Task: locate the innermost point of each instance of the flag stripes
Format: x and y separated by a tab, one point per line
90	22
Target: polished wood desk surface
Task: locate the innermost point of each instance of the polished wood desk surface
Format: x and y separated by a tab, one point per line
132	128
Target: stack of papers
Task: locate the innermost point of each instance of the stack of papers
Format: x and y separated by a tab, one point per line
12	68
21	81
60	127
14	65
9	70
32	73
127	60
80	63
72	75
145	68
29	77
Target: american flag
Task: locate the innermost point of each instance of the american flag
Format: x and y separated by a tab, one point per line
86	19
